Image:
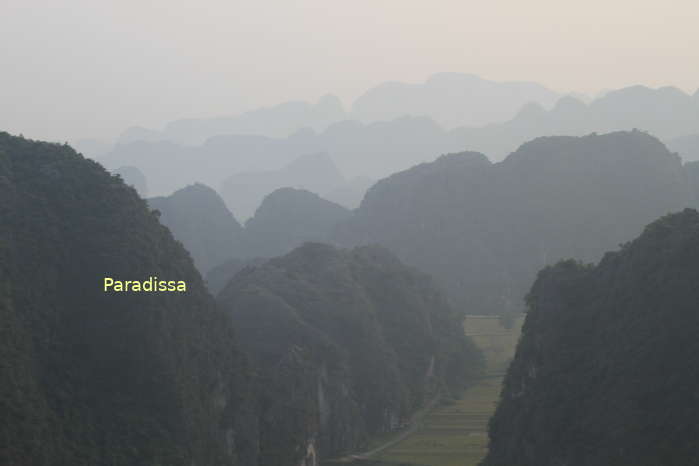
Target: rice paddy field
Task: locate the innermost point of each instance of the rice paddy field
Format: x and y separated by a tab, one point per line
455	433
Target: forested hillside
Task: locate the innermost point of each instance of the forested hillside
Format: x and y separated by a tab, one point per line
287	218
483	230
606	372
199	219
94	378
354	340
342	344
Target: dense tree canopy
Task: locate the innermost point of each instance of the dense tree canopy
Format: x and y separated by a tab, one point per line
95	378
606	370
353	339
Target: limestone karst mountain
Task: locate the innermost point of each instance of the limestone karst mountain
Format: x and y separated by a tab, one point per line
289	217
451	99
379	148
89	377
95	377
279	120
198	218
605	371
483	230
353	340
244	192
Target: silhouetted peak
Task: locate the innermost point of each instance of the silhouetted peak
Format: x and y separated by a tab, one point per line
629	91
198	217
617	146
569	105
199	193
447	163
462	159
531	111
622	100
286	197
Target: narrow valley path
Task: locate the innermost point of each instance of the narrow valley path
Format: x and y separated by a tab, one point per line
456	434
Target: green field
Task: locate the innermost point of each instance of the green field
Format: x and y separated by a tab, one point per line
455	434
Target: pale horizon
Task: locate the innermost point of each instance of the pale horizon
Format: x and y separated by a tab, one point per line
83	70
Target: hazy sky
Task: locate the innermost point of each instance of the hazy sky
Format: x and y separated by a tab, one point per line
90	68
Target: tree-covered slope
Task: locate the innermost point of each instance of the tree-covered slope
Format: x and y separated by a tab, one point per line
483	230
353	339
199	218
606	371
286	219
95	378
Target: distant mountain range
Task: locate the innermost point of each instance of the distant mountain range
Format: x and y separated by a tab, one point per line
339	346
198	218
451	100
667	113
286	218
243	192
277	121
376	150
483	230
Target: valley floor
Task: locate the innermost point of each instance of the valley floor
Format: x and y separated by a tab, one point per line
456	433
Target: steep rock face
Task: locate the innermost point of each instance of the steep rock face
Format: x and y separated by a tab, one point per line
289	217
198	217
483	230
605	371
347	338
95	378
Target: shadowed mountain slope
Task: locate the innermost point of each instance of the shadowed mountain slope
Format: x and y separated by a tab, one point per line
483	230
353	339
605	371
288	218
90	377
